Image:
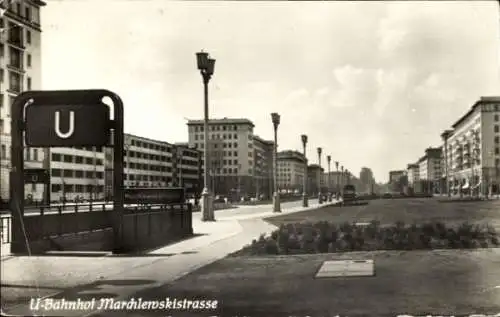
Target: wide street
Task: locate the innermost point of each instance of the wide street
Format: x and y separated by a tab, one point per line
437	282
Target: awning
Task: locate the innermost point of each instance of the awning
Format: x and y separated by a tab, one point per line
476	186
465	186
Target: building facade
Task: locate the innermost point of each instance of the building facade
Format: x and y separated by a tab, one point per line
474	150
315	173
413	173
263	154
430	171
396	181
232	159
20	70
154	163
76	174
291	171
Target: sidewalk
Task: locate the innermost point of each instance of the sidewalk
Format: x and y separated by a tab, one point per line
24	278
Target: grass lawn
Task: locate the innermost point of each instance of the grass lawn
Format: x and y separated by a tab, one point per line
408	210
416	283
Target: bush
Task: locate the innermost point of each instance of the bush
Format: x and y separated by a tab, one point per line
323	237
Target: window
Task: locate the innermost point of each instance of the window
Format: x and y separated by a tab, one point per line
15	58
27	13
28	60
496	129
56	157
68	173
3	152
33	187
497	139
497	150
28	36
28	83
68	159
79	160
18	8
15	82
35	154
1	75
56	188
496	118
56	172
1	126
2	50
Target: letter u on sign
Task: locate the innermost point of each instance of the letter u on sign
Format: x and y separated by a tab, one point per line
57	125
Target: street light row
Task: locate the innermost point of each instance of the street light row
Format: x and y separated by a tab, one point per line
206	66
275	118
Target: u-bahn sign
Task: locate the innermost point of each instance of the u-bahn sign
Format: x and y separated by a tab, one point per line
63	118
67	125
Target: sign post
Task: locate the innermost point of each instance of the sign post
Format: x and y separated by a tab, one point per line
65	118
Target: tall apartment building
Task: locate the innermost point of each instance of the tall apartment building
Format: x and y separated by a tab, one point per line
413	173
232	154
20	70
154	163
430	171
473	154
291	171
263	170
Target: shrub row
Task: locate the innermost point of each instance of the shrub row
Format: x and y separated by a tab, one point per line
323	237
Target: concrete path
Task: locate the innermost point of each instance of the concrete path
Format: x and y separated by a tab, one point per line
113	276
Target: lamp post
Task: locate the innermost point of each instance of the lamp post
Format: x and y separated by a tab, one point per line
275	117
337	169
328	160
305	202
206	67
320	199
342	181
445	135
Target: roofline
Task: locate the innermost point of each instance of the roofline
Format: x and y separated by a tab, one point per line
148	139
482	100
221	120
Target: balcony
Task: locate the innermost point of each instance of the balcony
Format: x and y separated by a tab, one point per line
16	40
17	89
16	65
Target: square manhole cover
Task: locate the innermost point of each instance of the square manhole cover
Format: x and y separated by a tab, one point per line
342	268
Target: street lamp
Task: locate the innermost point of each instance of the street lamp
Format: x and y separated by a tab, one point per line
445	135
275	117
337	169
206	67
342	181
305	202
320	200
329	159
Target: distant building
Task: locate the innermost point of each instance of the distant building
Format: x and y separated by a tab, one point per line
263	170
232	155
474	149
413	173
396	180
291	171
430	171
154	163
315	173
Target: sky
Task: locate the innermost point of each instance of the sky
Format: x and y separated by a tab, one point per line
372	83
